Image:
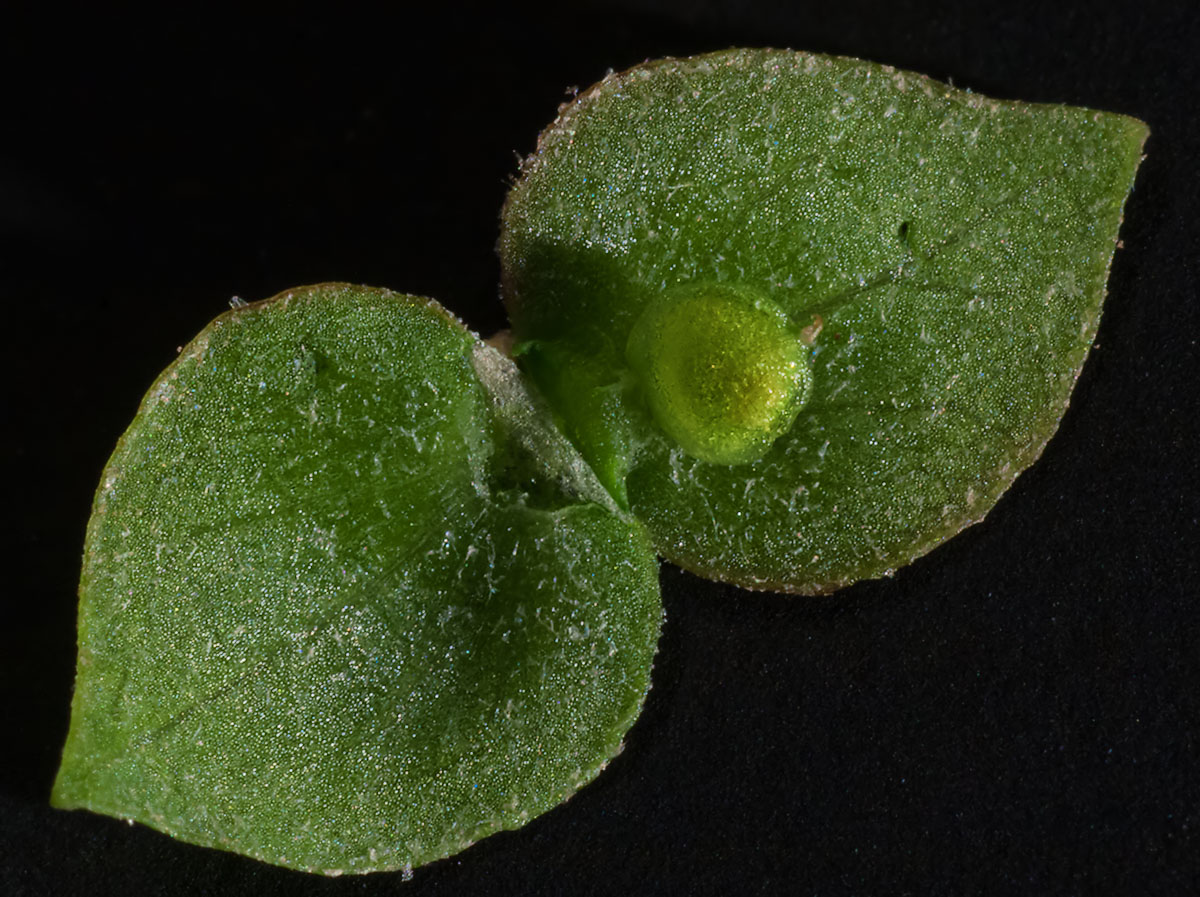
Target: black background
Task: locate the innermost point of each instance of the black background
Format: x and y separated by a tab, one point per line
1015	713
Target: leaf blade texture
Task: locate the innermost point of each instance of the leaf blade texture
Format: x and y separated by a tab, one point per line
942	255
345	605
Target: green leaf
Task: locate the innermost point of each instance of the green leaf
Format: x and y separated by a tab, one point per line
347	603
941	259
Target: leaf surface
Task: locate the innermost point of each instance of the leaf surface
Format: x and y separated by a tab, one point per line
347	604
941	256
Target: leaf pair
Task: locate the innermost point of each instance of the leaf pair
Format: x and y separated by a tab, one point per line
355	594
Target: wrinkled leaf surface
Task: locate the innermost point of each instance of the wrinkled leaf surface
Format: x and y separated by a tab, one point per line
942	255
346	603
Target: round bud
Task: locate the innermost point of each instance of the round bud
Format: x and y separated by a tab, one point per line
721	368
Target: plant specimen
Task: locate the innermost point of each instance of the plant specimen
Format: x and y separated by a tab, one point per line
360	588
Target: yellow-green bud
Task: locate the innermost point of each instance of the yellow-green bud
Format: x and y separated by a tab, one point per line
721	368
